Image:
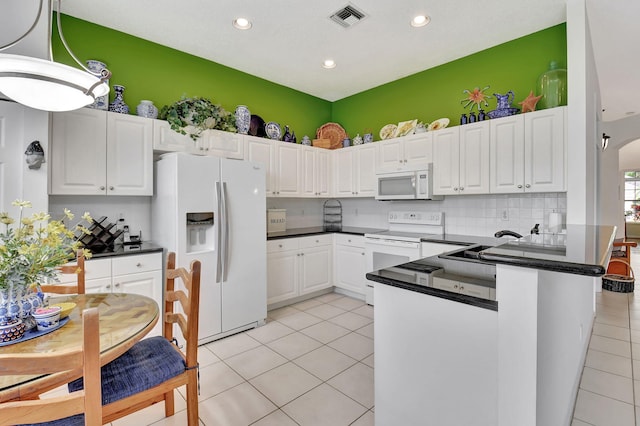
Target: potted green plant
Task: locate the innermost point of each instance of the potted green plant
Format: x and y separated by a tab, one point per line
31	249
192	116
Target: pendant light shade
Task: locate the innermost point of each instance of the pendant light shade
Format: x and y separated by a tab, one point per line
46	85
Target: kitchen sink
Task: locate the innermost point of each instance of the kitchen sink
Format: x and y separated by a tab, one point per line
466	253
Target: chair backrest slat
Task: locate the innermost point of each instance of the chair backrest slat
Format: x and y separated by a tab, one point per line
77	269
88	401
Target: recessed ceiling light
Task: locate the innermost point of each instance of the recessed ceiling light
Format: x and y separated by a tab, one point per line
329	63
420	21
242	23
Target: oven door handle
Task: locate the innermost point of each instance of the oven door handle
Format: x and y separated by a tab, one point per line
391	243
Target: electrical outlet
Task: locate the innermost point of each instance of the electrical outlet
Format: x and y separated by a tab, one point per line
505	214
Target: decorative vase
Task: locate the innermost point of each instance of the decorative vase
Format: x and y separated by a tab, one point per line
306	141
368	138
463	119
481	115
147	109
118	105
96	67
346	142
552	85
18	302
358	140
472	117
243	119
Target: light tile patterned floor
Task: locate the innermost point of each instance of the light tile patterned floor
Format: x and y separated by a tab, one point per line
609	393
311	364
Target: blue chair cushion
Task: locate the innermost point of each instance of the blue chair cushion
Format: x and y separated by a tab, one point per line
77	420
147	364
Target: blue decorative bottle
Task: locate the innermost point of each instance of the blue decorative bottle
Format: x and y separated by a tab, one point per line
118	105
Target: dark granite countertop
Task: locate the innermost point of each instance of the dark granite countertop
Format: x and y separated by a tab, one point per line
463	240
127	250
581	250
315	230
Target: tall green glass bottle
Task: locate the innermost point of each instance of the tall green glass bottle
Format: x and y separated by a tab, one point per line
552	85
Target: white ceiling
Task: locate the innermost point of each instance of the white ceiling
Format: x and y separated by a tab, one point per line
290	39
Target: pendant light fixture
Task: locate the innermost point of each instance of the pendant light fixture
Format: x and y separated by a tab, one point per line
45	84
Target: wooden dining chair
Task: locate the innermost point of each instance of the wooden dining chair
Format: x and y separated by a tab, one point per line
66	410
76	268
150	371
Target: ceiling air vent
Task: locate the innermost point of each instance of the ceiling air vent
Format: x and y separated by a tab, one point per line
348	16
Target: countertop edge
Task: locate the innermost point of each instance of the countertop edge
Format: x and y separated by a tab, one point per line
306	232
443	294
546	265
122	250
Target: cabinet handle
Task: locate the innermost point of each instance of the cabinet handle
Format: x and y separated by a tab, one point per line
527	186
462	188
138	264
301	254
455	189
461	287
102	188
117	285
108	286
349	240
519	186
280	245
317	241
111	188
455	286
363	254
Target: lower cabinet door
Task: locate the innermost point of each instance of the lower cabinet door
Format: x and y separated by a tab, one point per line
315	269
282	276
146	284
350	268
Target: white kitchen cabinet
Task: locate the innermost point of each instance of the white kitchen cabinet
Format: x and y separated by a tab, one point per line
315	172
461	160
95	152
261	150
298	266
210	142
283	165
413	152
529	152
355	171
350	263
463	287
133	274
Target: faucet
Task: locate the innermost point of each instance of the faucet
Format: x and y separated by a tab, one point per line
535	229
504	232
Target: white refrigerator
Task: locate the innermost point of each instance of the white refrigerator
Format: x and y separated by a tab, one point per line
214	210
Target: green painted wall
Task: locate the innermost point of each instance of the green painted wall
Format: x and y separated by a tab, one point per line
437	92
163	75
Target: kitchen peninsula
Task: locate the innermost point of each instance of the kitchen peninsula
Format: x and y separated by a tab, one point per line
513	356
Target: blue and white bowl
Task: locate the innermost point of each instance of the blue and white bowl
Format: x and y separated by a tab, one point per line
47	318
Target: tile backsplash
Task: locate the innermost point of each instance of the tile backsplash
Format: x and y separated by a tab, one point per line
464	215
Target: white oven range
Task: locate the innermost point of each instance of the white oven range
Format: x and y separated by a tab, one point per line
401	242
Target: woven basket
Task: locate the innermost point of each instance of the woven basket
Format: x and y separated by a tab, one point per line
618	283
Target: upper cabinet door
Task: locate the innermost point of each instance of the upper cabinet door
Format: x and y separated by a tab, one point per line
308	171
224	144
365	170
344	174
129	155
78	152
322	172
391	156
507	154
545	150
418	150
474	158
167	140
446	161
289	171
260	150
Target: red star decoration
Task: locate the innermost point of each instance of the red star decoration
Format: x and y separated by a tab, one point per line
529	104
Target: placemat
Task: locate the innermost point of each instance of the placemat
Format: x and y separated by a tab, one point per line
34	332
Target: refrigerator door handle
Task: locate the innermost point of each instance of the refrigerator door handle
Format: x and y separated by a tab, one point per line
227	233
219	242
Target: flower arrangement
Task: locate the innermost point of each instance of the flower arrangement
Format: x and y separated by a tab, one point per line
31	252
192	116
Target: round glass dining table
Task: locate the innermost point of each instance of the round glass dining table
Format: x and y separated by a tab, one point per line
124	320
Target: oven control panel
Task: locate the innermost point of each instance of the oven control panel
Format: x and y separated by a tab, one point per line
416	218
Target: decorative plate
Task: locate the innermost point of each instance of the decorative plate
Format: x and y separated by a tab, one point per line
406	127
333	132
388	131
438	124
273	130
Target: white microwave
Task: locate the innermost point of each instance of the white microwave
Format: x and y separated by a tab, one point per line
410	185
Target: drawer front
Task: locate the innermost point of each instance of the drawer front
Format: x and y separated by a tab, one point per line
446	284
282	244
94	269
349	240
316	241
124	265
475	290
